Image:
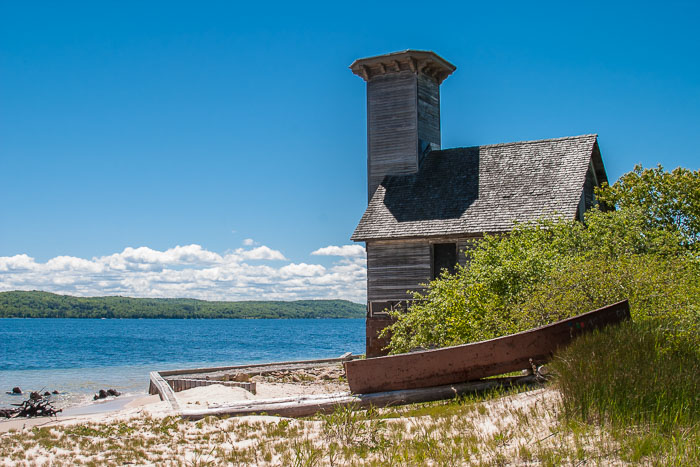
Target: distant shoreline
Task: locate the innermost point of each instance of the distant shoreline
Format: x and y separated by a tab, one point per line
36	304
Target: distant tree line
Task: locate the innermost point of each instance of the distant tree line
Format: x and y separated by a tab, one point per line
35	304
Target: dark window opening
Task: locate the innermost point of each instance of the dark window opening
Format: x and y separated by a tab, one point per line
444	257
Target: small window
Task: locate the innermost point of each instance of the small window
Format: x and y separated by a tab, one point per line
444	257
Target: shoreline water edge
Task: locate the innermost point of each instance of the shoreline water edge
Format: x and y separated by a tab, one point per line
77	358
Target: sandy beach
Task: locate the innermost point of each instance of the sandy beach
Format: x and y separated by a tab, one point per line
499	427
116	409
145	431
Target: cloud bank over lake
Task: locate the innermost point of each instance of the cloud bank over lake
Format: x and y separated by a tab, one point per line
248	273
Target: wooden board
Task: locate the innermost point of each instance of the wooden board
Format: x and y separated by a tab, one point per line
303	406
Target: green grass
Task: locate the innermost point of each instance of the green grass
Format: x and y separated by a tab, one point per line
640	384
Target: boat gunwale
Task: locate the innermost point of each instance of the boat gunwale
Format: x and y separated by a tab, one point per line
528	331
476	360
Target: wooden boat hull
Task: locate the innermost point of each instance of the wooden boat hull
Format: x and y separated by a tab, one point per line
469	362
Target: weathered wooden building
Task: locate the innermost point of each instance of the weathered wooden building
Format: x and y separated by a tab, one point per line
427	204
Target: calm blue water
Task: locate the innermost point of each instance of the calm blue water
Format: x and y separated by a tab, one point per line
80	356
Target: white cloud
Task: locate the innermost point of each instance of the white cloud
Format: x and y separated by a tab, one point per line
345	250
248	242
188	254
10	263
70	263
261	252
303	270
192	271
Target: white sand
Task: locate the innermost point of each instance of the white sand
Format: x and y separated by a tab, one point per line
215	395
524	419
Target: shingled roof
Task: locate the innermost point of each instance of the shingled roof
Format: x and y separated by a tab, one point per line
469	191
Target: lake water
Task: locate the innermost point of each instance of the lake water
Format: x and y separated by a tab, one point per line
78	357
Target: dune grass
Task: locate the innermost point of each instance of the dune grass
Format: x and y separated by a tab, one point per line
639	382
498	429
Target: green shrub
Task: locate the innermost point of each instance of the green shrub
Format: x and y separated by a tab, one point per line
553	270
664	291
646	251
668	201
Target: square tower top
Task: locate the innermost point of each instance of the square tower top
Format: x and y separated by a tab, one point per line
416	61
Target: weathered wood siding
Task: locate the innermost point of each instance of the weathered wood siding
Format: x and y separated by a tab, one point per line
403	117
428	111
392	141
393	268
396	267
588	196
589	187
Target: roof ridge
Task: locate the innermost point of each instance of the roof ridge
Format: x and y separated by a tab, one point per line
498	145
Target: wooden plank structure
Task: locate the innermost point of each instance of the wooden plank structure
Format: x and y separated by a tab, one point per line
167	383
469	362
303	406
403	110
159	386
189	383
426	204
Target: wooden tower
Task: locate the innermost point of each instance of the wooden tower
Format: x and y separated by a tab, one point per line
403	110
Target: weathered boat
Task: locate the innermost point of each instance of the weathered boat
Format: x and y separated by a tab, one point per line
167	383
468	362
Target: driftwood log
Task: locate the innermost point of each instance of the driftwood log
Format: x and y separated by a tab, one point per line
32	408
8	413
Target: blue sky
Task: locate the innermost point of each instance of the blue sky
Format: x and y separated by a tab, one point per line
128	129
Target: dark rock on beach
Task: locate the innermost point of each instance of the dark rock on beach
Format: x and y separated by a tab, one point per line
102	394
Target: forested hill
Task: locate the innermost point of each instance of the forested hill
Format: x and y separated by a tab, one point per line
35	304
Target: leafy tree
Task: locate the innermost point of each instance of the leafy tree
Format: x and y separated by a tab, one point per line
667	200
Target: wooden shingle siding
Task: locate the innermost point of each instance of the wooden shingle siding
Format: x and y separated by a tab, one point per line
392	142
468	191
394	268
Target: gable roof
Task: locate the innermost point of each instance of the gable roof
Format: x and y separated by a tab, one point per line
469	191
